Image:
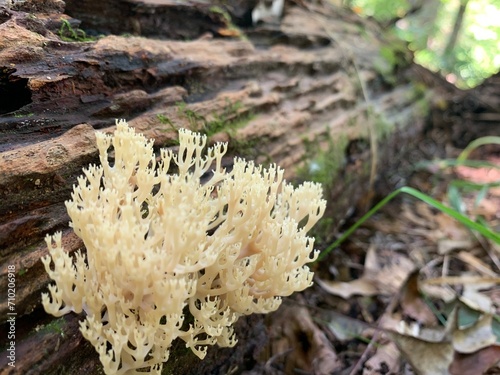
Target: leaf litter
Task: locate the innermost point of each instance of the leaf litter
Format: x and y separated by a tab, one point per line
413	292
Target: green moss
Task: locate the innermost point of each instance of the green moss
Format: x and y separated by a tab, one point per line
382	127
423	107
193	118
229	120
169	128
232	28
55	326
420	95
67	33
22	271
22	115
323	165
249	149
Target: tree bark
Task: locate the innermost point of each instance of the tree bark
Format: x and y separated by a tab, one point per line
307	94
448	56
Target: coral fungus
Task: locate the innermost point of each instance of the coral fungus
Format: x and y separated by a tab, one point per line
159	241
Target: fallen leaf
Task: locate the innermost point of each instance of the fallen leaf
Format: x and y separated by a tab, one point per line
450	228
482	175
446	245
466	279
442	292
476	263
412	303
475	337
232	32
424	219
378	278
360	287
392	276
393	322
475	363
426	358
384	361
479	301
343	327
371	259
305	345
432	351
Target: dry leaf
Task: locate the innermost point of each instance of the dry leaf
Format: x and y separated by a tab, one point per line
391	277
371	259
384	361
232	32
343	327
425	219
412	303
476	300
435	353
475	337
445	245
360	287
475	363
444	293
426	358
465	279
306	346
477	263
482	175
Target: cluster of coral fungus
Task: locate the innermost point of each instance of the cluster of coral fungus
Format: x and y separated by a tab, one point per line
158	241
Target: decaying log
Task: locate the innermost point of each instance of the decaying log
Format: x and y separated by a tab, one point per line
307	94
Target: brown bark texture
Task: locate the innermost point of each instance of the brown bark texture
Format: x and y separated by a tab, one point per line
311	94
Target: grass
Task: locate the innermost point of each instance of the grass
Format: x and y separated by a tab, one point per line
479	226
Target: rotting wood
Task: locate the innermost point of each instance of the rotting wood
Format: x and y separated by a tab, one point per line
289	94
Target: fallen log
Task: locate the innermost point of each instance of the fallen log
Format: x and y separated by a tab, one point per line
311	94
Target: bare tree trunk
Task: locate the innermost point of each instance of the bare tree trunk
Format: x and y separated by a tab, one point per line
448	56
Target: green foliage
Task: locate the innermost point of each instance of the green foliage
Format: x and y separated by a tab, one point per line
381	10
55	326
454	196
476	53
164	119
479	227
228	120
457	188
233	30
323	165
22	115
67	33
468	59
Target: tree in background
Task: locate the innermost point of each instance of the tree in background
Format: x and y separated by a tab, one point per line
458	38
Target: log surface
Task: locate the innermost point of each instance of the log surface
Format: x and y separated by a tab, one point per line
307	94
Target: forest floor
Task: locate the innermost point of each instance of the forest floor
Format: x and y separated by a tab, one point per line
411	291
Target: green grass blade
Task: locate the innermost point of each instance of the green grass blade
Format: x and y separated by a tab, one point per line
475	144
468	186
446	163
494	236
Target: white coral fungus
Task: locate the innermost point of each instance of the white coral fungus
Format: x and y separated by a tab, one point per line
160	243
